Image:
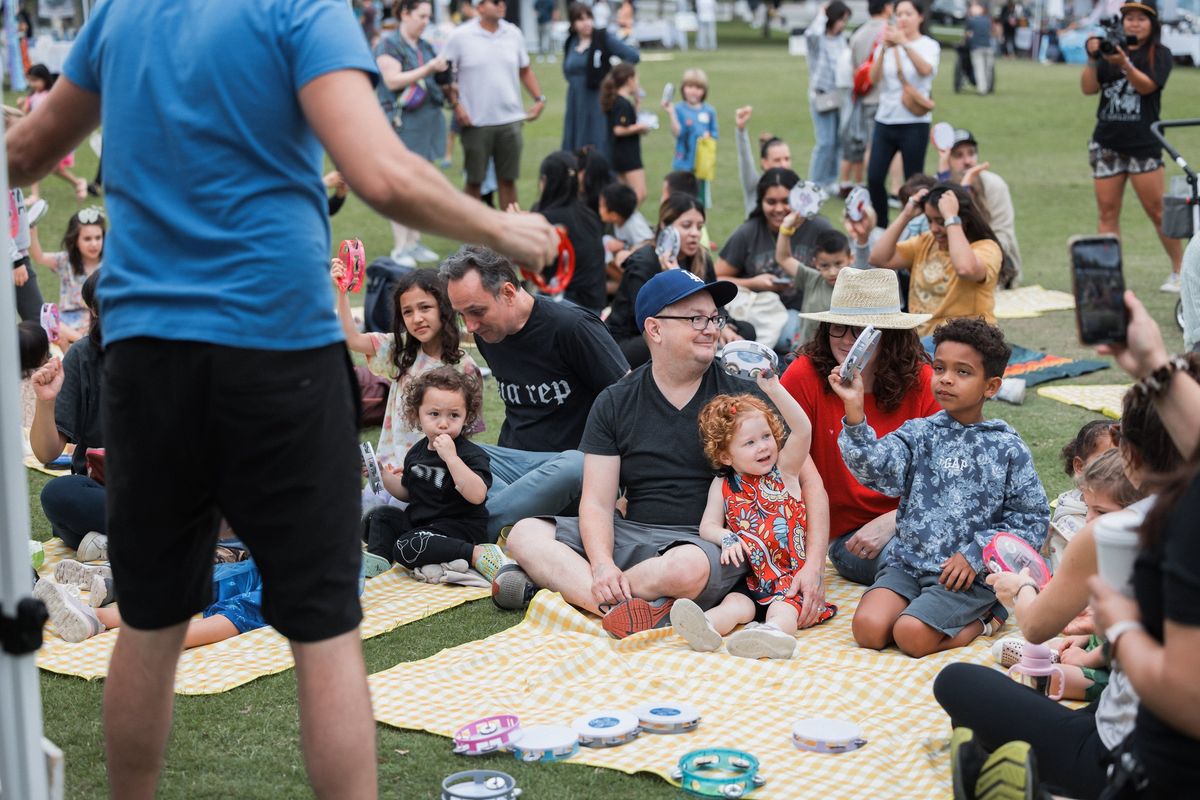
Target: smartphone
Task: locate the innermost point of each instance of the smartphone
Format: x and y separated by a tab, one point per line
1099	287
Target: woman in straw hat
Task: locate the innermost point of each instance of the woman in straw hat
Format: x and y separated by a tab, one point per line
954	266
897	388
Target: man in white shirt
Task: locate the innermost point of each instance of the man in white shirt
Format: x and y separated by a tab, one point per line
490	66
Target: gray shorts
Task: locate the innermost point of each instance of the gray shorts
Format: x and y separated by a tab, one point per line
937	606
500	143
635	542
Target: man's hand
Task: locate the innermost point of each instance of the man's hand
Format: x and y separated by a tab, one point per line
609	585
742	116
460	113
47	381
957	575
20	275
809	583
535	111
528	239
971	174
869	540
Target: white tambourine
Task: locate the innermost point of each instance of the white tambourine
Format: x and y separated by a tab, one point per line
487	735
827	736
860	353
606	728
942	136
649	119
668	93
546	743
748	359
667	717
805	199
667	243
857	203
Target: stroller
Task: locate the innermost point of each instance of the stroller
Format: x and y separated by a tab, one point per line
1181	220
964	71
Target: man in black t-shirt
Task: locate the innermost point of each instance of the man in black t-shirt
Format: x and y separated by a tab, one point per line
642	435
550	361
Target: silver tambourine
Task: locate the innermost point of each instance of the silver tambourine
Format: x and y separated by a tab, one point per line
374	478
857	203
606	728
806	198
667	243
480	784
546	743
827	736
667	717
860	353
749	359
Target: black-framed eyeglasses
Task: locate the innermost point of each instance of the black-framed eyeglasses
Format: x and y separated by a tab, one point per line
837	331
699	321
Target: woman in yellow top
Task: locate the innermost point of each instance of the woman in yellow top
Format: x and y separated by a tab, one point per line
954	265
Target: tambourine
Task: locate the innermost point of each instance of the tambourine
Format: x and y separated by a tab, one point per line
1008	553
667	244
806	198
748	359
827	736
606	728
354	257
718	772
667	717
374	477
668	93
857	203
649	119
51	321
487	735
564	268
480	784
860	353
942	136
546	743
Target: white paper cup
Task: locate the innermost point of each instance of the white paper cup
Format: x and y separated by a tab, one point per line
1117	548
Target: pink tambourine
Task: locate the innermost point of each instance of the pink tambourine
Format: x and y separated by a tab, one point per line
51	321
487	735
1007	553
354	257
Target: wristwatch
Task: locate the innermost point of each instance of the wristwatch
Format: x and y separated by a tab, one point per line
541	98
954	220
1118	629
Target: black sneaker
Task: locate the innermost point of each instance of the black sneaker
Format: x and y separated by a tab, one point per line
511	588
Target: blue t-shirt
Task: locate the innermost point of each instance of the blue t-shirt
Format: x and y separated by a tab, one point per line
219	230
693	124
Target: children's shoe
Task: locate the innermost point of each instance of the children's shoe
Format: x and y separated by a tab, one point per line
73	620
993	626
374	565
689	621
422	253
93	547
966	760
101	592
634	616
491	559
403	258
511	588
1007	651
761	641
73	573
1172	284
1009	773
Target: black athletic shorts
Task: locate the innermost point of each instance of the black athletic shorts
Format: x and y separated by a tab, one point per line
267	439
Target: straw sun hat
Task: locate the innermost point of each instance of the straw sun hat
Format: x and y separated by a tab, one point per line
868	297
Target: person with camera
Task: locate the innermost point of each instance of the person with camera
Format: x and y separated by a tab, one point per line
1128	67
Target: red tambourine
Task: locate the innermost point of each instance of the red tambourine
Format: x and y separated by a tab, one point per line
564	264
354	257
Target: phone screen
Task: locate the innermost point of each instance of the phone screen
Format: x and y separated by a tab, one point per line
1099	290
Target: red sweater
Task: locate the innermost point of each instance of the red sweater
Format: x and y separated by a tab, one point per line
851	505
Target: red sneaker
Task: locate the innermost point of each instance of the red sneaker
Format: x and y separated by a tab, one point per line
634	616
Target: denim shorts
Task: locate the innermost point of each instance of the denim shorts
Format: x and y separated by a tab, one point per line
937	606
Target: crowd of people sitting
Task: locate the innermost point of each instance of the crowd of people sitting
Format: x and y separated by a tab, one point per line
648	486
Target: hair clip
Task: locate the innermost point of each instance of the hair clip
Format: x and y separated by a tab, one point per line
90	215
732	409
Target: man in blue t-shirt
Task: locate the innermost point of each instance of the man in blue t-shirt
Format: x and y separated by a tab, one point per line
222	346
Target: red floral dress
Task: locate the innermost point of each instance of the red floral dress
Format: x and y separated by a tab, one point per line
763	513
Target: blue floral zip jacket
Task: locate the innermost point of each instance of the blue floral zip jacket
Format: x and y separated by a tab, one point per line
959	485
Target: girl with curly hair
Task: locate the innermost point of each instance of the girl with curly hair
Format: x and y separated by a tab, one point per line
896	380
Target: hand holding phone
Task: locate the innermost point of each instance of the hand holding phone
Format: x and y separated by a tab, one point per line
1099	288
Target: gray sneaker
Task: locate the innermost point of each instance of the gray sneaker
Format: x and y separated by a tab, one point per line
73	573
511	588
93	547
761	641
73	620
422	253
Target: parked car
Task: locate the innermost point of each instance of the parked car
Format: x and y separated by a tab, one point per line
948	12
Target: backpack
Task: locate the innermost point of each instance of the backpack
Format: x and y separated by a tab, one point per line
382	276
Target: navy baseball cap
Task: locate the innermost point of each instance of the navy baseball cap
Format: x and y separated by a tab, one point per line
672	286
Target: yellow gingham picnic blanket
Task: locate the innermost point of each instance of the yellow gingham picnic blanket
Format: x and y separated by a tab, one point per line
389	601
1031	301
559	664
1104	398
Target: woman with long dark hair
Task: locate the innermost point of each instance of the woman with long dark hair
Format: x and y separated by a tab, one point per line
897	388
954	266
1130	81
560	203
587	58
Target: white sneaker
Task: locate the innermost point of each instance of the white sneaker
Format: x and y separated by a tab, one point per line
422	253
73	620
761	641
93	547
69	571
403	258
1012	390
689	621
1171	284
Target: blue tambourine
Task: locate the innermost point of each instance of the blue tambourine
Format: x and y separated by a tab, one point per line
480	784
718	772
667	717
606	728
546	743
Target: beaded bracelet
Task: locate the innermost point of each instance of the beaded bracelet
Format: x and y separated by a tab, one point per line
1154	384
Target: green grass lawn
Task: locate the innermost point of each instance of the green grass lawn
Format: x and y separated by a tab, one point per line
243	744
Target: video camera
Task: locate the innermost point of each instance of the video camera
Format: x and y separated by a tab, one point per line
1114	37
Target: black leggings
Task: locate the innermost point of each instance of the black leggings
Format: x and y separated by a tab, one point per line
910	140
1070	755
390	534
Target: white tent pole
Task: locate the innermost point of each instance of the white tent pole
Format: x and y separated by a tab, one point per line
22	762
